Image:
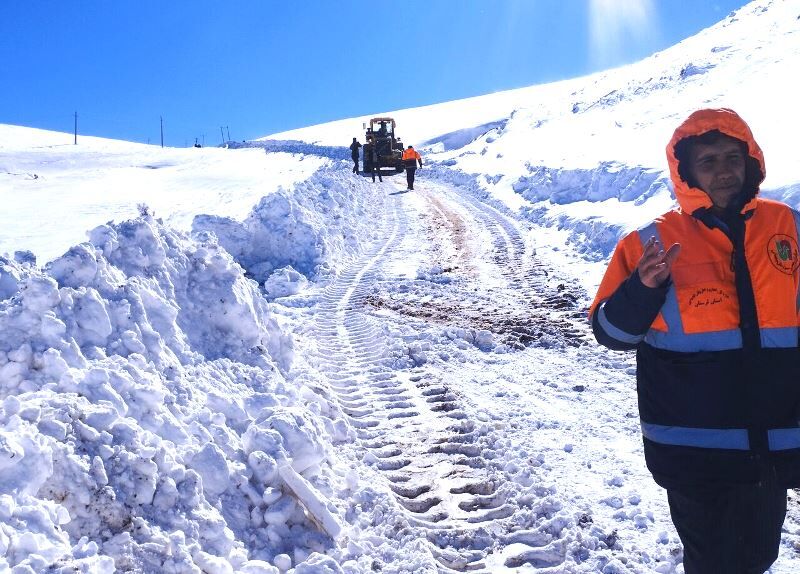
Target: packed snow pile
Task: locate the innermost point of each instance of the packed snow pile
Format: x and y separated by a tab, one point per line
314	228
146	421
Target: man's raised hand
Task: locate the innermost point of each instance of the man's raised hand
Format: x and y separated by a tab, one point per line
655	265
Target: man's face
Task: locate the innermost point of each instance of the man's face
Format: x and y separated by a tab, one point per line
718	169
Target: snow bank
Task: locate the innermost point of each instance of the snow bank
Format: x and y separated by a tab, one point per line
296	147
608	180
594	207
460	138
314	228
145	414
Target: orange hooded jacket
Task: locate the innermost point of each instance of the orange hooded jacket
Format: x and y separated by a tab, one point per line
718	368
702	277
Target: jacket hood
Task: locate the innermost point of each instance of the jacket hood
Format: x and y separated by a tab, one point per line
729	123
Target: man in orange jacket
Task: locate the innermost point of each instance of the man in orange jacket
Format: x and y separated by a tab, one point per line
410	159
714	322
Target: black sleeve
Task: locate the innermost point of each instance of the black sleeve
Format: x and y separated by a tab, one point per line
621	322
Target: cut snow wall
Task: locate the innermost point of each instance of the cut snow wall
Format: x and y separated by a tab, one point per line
313	228
594	236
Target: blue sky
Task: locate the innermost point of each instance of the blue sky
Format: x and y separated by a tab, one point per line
260	67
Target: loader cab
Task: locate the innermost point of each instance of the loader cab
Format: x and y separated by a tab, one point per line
381	128
382	147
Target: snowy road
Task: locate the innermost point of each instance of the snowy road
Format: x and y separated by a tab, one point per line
508	439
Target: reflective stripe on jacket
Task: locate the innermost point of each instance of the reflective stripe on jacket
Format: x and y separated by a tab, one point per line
701	311
718	363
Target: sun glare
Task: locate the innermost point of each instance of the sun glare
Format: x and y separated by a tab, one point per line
616	27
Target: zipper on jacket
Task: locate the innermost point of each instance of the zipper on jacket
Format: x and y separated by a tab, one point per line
734	228
748	314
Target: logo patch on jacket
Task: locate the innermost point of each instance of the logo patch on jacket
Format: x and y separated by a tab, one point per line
782	251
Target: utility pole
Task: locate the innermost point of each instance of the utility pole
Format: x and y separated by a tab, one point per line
76	128
229	133
204	140
222	133
162	130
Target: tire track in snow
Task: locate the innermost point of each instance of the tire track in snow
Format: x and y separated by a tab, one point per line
553	313
523	303
411	425
527	276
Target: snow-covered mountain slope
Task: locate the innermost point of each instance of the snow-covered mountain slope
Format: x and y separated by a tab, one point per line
747	62
601	138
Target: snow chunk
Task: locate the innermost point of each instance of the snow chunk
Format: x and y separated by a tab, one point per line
212	467
284	282
283	432
318	564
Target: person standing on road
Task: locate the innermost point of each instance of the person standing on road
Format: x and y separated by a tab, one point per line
376	168
714	321
410	159
354	154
